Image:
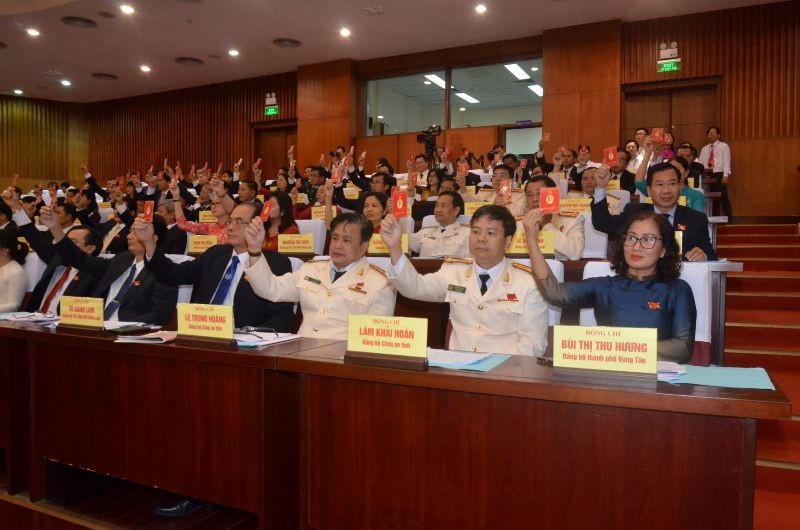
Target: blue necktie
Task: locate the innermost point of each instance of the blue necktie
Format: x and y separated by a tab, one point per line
225	283
114	304
484	282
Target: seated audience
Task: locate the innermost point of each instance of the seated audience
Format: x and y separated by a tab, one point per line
280	220
13	280
447	237
646	292
494	303
330	289
174	242
218	229
568	228
694	198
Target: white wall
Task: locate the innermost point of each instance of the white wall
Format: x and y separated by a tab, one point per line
475	117
400	113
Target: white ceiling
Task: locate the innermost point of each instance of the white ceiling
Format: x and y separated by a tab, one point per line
161	30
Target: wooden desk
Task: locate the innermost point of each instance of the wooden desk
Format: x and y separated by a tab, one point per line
207	422
518	449
14	413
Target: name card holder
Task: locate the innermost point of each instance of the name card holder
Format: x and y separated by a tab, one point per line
81	312
199	324
387	342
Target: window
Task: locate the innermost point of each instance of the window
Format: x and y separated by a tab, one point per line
404	104
496	94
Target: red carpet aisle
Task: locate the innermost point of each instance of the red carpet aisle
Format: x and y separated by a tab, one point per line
763	329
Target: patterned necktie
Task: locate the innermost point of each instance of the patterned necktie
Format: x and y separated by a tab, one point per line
114	304
56	288
711	160
484	280
225	283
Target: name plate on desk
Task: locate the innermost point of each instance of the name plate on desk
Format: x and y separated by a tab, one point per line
607	349
207	217
576	205
296	243
318	212
378	246
80	311
519	245
470	207
199	243
302	197
613	185
387	341
205	321
351	193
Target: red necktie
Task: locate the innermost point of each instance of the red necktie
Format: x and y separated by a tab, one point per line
56	288
711	160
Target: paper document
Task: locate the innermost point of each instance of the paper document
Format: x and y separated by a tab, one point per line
158	337
669	371
455	356
257	339
111	325
24	316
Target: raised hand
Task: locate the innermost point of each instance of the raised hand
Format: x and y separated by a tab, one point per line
217	186
391	232
362	159
532	222
84	168
602	176
254	234
142	229
173	188
47	216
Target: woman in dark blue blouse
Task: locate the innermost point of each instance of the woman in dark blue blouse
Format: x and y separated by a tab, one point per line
646	292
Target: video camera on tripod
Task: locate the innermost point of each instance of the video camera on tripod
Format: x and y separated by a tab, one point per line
428	138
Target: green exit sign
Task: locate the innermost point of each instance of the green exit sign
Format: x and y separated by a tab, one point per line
671	65
272	110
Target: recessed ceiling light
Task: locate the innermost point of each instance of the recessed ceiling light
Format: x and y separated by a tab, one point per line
462	109
534	69
66	82
467	97
427	82
380	117
32	32
537	89
284	42
344	32
128	10
144	68
480	8
518	72
233	53
18	91
435	79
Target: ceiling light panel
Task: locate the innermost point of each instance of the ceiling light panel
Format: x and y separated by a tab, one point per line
436	80
467	97
518	72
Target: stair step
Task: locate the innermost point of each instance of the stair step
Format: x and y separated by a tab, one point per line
763	318
770	264
777	498
740	251
761	329
767	239
765	281
729	229
782	366
762	300
779	440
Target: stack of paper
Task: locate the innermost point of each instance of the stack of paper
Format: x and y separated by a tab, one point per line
158	337
257	339
461	360
24	316
669	371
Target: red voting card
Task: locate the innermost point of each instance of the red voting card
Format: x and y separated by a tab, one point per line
610	156
412	180
148	211
658	135
121	182
399	201
546	137
265	210
336	177
548	200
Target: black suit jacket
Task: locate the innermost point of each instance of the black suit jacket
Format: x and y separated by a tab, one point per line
174	242
148	300
695	224
627	181
206	272
81	284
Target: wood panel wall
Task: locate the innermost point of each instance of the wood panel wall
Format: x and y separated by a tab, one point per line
756	52
581	103
41	140
326	114
211	123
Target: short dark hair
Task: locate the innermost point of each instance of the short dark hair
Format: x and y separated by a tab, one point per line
668	267
496	213
69	209
449	179
506	167
423	156
382	198
682	161
623	152
92	237
548	182
661	166
719	131
645	129
159	228
249	184
17	250
321	170
388	179
365	228
6	210
458	200
631	142
510	156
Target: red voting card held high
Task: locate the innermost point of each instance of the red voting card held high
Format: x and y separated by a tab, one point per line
546	137
399	201
658	135
265	210
610	156
412	179
147	213
549	199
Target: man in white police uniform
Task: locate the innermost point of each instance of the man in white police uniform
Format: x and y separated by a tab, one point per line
447	237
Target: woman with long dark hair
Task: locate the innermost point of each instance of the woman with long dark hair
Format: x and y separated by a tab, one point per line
647	291
280	221
13	280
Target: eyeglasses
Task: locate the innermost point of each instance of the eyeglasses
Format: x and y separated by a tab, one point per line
646	241
239	222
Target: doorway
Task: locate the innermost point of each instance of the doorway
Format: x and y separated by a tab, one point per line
271	146
686	109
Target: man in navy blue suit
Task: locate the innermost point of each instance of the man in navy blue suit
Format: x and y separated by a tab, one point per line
663	185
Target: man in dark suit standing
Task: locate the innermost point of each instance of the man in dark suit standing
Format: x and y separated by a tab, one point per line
217	274
131	292
663	186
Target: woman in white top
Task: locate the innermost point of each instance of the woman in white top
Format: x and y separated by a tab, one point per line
13	280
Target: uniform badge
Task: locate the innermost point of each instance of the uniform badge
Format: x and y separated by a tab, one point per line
681	227
358	288
136	283
456	288
312	280
655	306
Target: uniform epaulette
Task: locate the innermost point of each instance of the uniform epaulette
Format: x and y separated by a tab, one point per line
521	267
378	270
452	259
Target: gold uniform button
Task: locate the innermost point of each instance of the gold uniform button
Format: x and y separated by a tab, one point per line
330	294
316	329
480	307
321	311
474	348
478	327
